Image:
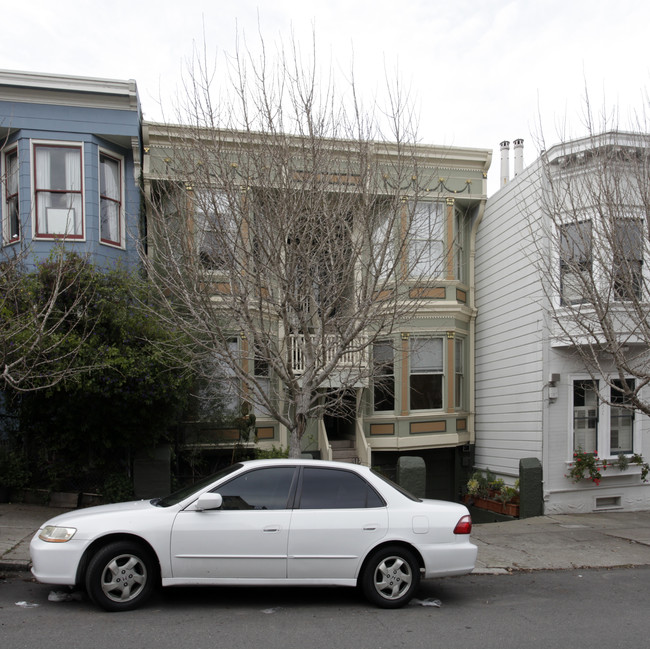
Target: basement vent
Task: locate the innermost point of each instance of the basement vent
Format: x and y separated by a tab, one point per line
608	502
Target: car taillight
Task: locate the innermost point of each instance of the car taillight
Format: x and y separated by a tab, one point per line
464	525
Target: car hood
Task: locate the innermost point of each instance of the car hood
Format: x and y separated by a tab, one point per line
78	516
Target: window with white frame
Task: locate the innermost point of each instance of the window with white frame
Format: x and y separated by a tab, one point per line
621	418
459	378
627	240
575	241
426	373
585	415
110	199
427	250
382	246
384	376
603	425
215	230
58	190
11	213
262	374
230	386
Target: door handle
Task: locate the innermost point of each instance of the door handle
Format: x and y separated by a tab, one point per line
272	528
370	528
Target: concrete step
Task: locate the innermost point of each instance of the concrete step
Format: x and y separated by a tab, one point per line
345	455
341	443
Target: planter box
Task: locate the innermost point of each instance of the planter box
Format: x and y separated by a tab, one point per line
64	499
34	496
509	509
90	500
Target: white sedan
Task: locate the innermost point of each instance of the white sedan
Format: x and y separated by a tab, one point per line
263	522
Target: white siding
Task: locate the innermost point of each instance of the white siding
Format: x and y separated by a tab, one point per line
509	332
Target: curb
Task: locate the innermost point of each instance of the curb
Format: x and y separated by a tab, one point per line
15	565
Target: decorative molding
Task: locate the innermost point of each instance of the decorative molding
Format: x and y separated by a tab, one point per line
423	427
382	429
265	432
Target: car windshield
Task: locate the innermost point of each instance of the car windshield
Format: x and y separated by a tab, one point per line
403	491
181	494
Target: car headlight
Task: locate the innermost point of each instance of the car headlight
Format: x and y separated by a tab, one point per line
55	534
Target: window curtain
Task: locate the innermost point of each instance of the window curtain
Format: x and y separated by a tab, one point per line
110	204
427	254
44	198
426	355
12	219
73	184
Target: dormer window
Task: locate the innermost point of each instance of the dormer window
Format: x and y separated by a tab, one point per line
58	191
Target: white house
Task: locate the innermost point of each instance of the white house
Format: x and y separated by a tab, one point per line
545	235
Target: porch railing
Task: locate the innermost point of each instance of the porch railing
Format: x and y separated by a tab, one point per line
348	359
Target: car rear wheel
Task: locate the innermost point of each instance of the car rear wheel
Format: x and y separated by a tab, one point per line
391	577
120	576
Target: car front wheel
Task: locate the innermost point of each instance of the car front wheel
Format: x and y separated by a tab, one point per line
120	576
391	577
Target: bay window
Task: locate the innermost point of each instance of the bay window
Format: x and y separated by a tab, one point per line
459	382
575	261
217	235
11	220
427	250
627	251
384	376
426	373
459	248
110	199
58	190
262	374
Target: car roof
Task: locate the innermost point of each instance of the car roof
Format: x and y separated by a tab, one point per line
304	462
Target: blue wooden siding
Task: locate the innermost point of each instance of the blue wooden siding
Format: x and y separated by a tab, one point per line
93	128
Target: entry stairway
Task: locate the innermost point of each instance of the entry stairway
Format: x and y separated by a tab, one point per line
344	450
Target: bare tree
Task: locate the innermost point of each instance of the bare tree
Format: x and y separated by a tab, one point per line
43	319
284	217
595	202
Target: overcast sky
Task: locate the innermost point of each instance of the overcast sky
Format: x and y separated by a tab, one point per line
480	71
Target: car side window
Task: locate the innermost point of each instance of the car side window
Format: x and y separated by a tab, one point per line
266	488
336	489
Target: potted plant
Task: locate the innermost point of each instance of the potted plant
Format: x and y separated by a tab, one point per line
491	493
589	466
585	465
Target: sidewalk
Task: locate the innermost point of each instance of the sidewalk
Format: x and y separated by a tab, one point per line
603	540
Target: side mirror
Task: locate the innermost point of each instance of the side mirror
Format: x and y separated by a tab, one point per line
208	501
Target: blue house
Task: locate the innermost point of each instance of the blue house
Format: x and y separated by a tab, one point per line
70	157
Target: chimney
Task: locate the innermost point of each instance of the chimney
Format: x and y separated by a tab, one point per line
505	162
519	156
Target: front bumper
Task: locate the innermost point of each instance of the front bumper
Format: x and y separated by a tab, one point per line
56	563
